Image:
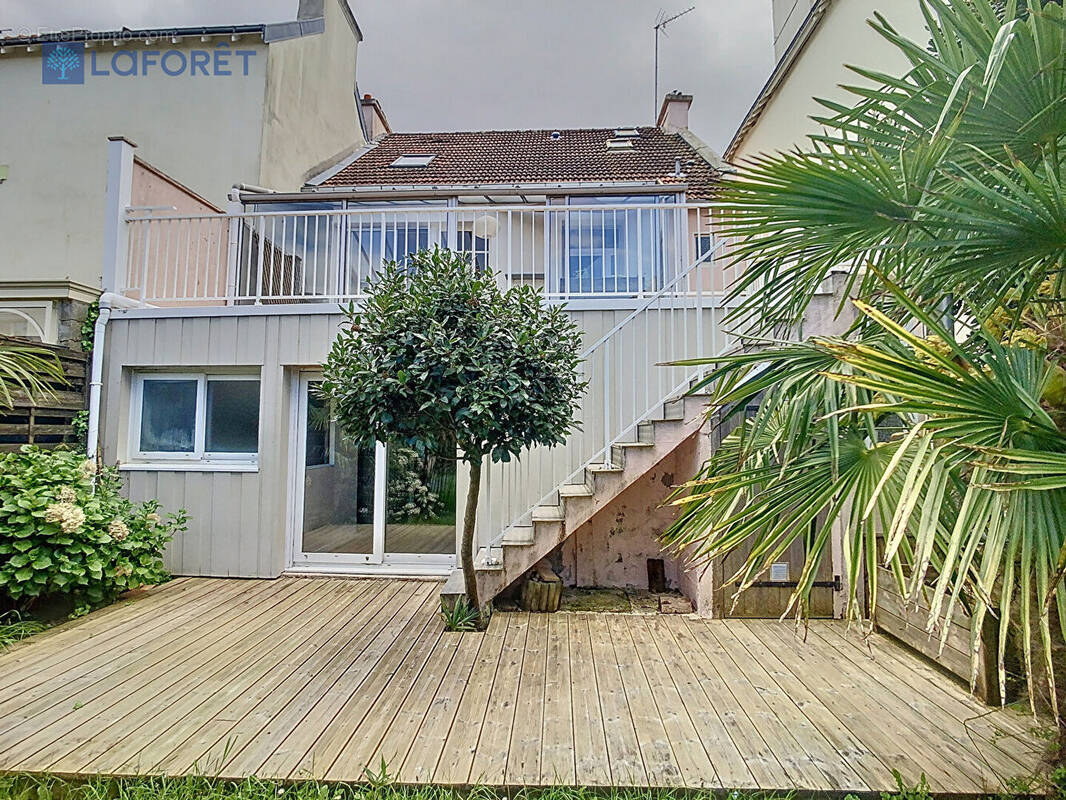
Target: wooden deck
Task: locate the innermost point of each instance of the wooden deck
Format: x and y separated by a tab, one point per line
321	677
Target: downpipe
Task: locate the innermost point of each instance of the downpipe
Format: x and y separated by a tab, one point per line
108	302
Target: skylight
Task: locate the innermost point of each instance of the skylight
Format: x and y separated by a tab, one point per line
626	133
413	160
619	144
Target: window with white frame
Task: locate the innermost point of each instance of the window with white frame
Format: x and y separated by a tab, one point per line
195	417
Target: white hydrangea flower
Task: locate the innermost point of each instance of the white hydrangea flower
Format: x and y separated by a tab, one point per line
69	517
118	530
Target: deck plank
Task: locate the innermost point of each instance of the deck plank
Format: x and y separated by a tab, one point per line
743	649
490	759
433	728
623	749
523	753
856	700
226	700
311	730
590	740
312	677
224	734
557	765
728	762
457	756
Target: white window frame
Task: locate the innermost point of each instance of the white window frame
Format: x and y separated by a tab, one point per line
199	454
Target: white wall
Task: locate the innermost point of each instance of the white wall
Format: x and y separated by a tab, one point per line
788	16
202	130
843	37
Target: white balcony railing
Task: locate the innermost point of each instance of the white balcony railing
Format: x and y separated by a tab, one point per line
634	250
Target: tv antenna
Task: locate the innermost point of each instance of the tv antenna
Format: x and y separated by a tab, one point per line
660	27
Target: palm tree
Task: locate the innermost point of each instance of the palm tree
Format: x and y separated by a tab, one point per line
29	371
934	432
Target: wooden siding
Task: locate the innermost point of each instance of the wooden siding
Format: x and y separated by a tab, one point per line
322	678
238	521
907	623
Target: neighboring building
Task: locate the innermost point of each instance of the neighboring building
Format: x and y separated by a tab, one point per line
209	383
263	104
814	40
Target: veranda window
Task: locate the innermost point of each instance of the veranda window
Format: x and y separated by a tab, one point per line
620	251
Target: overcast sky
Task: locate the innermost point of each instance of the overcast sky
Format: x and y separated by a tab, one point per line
482	64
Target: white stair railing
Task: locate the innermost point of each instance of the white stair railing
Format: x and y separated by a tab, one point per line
630	371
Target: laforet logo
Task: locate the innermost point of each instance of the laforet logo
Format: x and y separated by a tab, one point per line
63	62
68	62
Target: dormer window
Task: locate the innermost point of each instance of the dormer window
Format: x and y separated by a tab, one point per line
413	160
626	133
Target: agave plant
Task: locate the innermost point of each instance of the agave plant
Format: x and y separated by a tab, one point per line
933	434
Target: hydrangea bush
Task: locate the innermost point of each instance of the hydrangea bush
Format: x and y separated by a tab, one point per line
61	532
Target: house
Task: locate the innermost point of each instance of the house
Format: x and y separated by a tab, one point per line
267	104
218	324
814	41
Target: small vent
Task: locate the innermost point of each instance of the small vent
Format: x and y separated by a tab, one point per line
619	144
779	572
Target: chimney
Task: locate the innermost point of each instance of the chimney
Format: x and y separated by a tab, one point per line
673	115
374	120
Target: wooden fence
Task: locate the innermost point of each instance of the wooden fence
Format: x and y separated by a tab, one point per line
50	422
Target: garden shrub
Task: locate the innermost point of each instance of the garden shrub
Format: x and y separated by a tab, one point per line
62	533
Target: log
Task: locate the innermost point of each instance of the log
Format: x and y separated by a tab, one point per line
542	589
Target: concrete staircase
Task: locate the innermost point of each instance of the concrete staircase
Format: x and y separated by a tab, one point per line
574	504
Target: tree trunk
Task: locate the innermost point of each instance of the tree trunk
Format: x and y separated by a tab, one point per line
467	550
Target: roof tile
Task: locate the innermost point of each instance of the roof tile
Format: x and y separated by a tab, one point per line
530	156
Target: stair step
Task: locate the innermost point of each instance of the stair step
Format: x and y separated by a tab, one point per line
633	444
575	490
518	536
489	559
605	469
548	514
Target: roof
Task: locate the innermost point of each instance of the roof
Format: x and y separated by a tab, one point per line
486	158
129	34
777	77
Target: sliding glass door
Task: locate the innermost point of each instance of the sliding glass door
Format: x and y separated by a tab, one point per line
365	508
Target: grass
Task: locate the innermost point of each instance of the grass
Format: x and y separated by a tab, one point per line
379	787
13	628
192	788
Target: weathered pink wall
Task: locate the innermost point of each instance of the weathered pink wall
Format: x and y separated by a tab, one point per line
181	258
612	549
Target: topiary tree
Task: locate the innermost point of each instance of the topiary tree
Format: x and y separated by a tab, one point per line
439	359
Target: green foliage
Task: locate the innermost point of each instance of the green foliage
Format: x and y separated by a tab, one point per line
28	370
946	179
79	426
439	358
27	787
408	494
88	327
14	628
66	530
940	449
459	616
